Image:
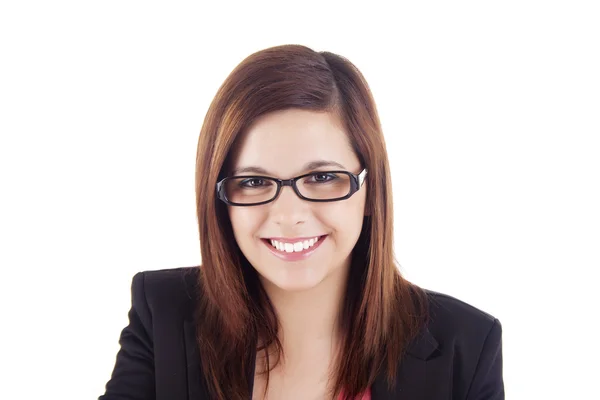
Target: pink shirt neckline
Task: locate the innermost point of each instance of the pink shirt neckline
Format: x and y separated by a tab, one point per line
365	396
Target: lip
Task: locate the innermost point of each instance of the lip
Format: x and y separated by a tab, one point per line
293	240
294	256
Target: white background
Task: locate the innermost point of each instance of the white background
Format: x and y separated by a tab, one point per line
491	115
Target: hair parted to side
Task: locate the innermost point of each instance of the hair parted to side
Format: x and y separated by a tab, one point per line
382	311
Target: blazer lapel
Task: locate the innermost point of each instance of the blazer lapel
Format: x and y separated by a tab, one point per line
411	376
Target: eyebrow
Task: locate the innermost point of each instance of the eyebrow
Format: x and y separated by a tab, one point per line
308	166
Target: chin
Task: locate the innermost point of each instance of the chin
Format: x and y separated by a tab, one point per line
294	287
293	282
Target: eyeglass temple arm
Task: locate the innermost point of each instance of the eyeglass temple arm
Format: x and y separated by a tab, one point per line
361	177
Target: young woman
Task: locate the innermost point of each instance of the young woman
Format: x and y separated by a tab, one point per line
298	295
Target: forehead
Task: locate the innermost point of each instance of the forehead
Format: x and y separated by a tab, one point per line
284	142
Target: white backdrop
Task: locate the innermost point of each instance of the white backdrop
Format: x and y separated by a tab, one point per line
491	116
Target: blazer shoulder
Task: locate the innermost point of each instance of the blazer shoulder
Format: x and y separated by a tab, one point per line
470	342
442	302
452	319
170	290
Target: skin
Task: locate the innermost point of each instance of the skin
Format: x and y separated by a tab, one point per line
306	294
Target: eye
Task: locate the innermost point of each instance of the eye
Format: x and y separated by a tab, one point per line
323	177
254	182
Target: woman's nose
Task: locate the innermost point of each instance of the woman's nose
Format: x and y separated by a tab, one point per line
288	207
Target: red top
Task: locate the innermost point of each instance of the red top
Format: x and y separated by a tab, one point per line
365	396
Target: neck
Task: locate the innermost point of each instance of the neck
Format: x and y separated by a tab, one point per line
309	319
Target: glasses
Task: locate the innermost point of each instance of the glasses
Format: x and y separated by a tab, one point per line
322	186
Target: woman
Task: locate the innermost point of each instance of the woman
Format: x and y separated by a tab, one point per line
298	295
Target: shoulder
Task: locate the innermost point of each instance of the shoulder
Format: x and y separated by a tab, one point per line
458	329
450	310
167	291
465	340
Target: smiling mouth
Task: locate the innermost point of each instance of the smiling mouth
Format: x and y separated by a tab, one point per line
298	247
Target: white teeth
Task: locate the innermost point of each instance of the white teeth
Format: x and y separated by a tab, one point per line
294	247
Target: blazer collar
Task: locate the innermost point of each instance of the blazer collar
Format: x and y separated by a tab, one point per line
411	373
423	345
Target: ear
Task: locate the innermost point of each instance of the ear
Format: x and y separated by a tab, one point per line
367	210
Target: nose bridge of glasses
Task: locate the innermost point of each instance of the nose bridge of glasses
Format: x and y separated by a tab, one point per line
287	182
284	183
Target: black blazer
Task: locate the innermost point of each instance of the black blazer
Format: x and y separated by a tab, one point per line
458	356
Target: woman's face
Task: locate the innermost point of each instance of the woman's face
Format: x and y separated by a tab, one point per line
283	143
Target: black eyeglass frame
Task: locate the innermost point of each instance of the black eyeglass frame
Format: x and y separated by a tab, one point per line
356	182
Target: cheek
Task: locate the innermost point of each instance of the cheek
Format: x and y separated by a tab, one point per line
243	221
344	217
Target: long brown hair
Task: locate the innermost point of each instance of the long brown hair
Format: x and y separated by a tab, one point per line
382	311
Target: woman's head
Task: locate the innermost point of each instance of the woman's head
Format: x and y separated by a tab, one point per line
280	110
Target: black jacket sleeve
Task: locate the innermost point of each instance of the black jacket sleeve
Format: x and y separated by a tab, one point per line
133	375
488	383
